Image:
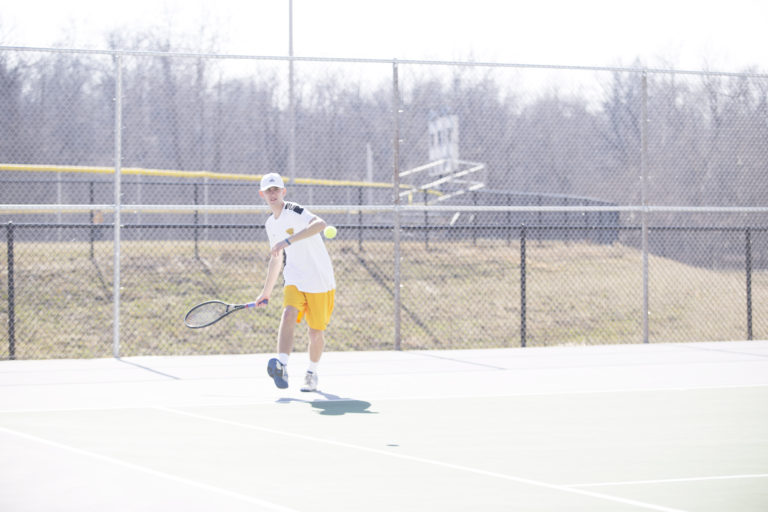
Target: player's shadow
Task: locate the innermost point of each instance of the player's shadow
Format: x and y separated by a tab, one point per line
334	405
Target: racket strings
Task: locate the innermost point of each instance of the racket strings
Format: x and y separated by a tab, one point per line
206	313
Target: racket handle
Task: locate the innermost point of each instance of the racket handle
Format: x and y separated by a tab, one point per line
254	304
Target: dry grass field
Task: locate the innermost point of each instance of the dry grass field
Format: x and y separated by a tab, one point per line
458	294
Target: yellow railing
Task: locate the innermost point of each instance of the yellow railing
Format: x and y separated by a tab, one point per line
134	171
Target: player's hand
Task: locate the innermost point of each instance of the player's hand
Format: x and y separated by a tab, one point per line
278	248
262	301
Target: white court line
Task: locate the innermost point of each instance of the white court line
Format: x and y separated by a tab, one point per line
527	481
153	472
671	480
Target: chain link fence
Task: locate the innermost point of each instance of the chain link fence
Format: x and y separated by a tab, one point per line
478	205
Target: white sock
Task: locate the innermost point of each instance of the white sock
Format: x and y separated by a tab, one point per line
283	358
312	368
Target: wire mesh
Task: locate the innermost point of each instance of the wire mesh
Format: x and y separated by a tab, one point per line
521	190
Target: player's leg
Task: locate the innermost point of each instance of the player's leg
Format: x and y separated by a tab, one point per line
316	345
277	368
293	304
319	309
285	334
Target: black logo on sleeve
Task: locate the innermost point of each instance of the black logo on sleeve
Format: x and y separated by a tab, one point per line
294	207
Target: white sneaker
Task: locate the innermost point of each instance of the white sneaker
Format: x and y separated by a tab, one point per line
310	382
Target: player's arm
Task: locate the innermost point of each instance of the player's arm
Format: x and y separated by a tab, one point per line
273	273
314	226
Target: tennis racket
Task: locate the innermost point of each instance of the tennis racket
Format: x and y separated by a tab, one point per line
210	312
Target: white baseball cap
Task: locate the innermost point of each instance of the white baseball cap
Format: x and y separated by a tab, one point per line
271	180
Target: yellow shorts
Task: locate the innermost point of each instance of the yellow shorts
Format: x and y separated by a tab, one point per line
316	306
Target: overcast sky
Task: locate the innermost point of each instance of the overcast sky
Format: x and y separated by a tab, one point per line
725	35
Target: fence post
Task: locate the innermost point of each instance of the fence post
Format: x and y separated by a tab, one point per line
360	219
748	258
197	220
566	218
396	189
644	198
92	234
11	294
509	220
474	221
206	202
522	286
426	222
118	204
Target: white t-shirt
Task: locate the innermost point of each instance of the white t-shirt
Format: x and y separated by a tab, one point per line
307	263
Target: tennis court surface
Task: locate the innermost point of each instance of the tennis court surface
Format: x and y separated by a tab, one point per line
667	427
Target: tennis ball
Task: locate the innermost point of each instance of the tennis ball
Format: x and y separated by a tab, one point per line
329	232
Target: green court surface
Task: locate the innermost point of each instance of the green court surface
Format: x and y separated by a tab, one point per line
666	427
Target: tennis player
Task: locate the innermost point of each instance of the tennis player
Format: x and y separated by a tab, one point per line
298	247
